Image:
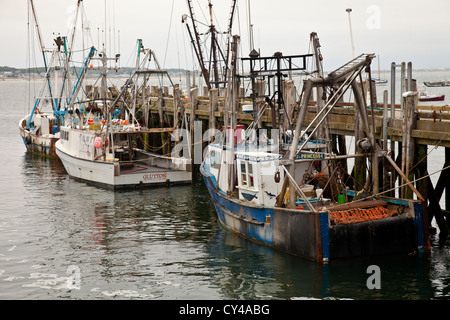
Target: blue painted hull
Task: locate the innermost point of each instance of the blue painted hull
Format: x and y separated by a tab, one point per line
310	235
293	231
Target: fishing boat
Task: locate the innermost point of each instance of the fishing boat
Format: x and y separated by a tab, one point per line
291	192
441	83
106	145
40	129
425	97
379	81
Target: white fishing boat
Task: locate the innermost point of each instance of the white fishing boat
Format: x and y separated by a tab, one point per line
40	129
107	146
425	96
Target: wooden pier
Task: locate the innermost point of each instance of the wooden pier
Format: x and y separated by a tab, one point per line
412	134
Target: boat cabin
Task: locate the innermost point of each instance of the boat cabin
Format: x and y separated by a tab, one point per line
259	177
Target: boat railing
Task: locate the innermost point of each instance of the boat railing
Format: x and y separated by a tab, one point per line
299	190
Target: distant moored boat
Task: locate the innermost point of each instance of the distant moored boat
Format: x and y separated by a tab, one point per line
437	83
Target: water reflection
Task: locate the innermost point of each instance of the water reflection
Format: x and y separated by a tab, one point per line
164	243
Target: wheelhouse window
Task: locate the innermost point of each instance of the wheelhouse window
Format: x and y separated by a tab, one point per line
250	175
243	174
215	159
64	135
247	175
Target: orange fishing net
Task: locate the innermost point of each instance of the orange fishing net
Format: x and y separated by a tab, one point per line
360	215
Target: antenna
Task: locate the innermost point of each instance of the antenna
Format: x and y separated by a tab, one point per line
250	25
351	34
216	74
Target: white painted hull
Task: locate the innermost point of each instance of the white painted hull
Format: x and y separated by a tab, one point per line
42	144
108	174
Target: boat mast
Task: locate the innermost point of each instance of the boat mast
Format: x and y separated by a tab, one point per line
41	43
250	26
77	87
212	31
138	58
232	95
230	26
321	96
198	48
72	38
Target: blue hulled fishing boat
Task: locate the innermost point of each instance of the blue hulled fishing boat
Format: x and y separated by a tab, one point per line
289	189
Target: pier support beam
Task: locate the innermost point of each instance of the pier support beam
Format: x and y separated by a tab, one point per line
176	105
447	182
435	210
194	105
213	107
410	102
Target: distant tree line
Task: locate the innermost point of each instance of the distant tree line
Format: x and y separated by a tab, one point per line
37	70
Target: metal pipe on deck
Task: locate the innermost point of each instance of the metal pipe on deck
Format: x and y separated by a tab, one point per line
410	77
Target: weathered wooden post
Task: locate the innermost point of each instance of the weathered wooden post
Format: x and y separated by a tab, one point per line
410	102
176	105
421	171
260	91
385	142
213	107
194	105
447	182
443	183
447	185
146	95
188	83
159	103
289	101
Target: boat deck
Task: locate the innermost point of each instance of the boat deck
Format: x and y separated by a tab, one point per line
141	167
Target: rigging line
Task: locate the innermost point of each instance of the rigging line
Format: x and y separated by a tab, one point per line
184	46
178	51
434	148
168	34
239	28
406	183
28	59
217	21
204	17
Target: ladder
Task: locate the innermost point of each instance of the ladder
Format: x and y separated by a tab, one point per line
357	63
227	46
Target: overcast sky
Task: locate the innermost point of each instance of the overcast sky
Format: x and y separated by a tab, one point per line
395	30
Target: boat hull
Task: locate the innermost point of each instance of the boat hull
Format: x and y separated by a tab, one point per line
437	83
437	98
310	234
108	174
40	144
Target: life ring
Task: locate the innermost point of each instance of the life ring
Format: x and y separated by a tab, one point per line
98	142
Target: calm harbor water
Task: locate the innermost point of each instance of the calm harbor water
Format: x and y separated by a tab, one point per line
63	239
